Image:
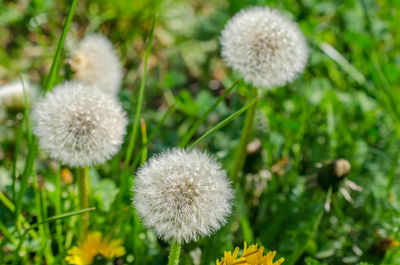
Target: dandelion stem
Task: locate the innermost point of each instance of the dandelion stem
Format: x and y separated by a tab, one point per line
83	200
174	253
240	155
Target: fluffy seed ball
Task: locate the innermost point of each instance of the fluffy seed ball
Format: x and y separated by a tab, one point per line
78	124
264	46
12	94
94	61
182	195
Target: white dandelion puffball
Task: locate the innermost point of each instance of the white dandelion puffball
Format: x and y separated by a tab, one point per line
12	94
78	124
264	46
95	61
182	195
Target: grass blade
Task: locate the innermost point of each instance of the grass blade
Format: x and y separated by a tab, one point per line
310	231
224	122
50	219
203	117
51	78
48	85
144	140
25	176
16	151
153	133
343	62
133	134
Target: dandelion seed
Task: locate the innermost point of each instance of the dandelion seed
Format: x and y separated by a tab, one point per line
95	61
78	124
251	255
264	46
182	195
94	248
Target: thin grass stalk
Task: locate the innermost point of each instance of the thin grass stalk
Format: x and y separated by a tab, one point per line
83	201
33	141
224	122
39	208
11	207
51	77
203	117
6	233
132	138
144	141
292	259
153	133
58	206
241	210
238	163
174	253
47	220
241	153
16	151
46	226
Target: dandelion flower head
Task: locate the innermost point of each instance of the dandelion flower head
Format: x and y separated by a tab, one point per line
78	124
95	61
94	247
251	255
182	195
264	46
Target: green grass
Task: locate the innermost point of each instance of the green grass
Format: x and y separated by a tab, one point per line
345	105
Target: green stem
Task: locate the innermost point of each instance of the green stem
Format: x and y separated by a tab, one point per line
134	131
240	155
83	201
51	78
11	207
132	138
58	207
238	163
186	138
223	123
144	141
174	253
241	209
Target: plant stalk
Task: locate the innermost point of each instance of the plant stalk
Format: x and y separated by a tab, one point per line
174	253
241	153
83	201
58	206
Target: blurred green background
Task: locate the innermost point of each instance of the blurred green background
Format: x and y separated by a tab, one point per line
345	105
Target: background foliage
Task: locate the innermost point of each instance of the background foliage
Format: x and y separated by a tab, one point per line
344	106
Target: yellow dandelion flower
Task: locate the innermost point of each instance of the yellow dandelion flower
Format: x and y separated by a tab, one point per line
93	246
251	255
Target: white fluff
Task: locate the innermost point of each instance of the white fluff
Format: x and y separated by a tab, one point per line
264	46
12	94
182	195
95	61
78	124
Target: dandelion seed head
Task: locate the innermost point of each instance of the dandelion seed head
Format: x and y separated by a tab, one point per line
264	46
95	61
182	195
78	124
12	94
